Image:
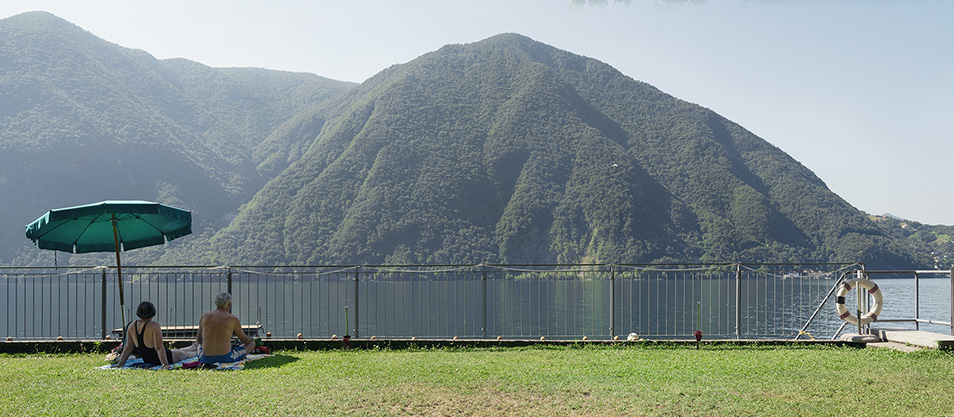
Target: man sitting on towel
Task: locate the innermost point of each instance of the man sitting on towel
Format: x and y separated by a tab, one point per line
215	334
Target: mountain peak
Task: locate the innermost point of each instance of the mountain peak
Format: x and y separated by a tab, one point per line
511	38
40	21
35	17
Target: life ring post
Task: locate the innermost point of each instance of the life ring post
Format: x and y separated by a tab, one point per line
860	296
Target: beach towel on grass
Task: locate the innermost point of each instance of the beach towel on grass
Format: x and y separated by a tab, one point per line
137	363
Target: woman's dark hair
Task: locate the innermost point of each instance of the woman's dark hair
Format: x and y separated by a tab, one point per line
146	310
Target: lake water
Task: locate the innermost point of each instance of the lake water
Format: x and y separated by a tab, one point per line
466	305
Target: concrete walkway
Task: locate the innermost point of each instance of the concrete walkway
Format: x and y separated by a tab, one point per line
900	347
916	338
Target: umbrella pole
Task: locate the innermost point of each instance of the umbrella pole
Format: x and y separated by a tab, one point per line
119	273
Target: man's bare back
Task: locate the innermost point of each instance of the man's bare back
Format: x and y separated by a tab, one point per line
216	329
215	332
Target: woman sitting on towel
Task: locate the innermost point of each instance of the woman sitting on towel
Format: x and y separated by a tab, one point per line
147	340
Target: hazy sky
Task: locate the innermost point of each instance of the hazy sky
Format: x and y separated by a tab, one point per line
861	92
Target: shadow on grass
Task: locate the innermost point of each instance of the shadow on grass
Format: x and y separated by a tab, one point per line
274	361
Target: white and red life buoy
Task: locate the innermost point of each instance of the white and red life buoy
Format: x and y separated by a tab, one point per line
842	310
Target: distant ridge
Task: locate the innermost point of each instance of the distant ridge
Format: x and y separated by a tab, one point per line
85	120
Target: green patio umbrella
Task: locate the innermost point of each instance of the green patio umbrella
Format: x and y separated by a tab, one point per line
109	226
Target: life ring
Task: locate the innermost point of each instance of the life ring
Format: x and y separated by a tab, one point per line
842	310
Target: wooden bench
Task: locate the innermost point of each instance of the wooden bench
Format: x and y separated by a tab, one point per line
191	332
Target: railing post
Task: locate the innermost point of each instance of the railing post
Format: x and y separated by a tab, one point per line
484	304
103	286
917	301
228	278
738	301
612	327
356	305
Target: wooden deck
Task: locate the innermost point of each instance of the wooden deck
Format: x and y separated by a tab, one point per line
191	332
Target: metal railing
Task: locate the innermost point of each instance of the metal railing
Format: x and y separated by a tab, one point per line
905	305
912	314
563	302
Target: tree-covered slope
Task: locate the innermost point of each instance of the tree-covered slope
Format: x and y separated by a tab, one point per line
83	120
508	150
504	150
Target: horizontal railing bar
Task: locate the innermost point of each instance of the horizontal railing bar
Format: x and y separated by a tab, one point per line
459	265
925	321
913	271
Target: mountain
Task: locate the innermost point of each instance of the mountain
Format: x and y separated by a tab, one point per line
509	150
504	150
84	120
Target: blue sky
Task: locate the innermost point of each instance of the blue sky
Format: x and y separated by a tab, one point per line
861	92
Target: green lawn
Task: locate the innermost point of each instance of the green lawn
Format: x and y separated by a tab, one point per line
537	381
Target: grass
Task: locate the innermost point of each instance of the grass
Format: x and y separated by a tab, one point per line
534	381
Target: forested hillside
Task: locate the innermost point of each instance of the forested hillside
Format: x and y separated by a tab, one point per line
504	150
508	150
84	120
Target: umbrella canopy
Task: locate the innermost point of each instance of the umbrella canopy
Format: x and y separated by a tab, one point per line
109	226
89	228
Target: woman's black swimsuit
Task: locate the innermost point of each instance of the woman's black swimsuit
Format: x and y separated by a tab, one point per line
148	355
